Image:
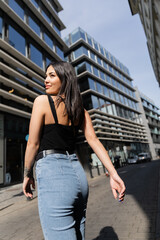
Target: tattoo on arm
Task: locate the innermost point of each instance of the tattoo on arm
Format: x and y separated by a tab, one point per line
28	172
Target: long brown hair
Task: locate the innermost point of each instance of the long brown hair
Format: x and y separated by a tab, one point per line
70	89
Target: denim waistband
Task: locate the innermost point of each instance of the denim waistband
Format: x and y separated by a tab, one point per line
51	151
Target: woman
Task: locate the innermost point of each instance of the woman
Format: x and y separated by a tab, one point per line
62	184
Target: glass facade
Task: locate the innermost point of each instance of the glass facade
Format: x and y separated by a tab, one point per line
15	5
77	34
48	40
80	34
59	52
34	25
46	15
80	51
57	29
16	40
36	56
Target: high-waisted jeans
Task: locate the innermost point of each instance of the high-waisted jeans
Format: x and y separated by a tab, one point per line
62	197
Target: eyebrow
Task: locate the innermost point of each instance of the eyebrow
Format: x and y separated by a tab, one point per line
51	72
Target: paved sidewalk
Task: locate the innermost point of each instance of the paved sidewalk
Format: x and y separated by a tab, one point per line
107	219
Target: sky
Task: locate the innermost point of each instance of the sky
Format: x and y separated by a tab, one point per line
111	24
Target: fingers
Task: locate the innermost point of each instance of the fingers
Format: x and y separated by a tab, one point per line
114	193
27	187
122	192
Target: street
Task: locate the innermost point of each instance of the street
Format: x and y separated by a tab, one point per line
133	219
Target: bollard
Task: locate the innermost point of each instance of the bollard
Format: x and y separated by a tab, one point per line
98	169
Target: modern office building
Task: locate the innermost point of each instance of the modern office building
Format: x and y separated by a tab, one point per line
151	119
109	96
30	37
149	12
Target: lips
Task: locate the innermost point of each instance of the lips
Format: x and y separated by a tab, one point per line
47	86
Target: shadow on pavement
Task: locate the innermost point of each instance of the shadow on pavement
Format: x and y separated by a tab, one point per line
107	233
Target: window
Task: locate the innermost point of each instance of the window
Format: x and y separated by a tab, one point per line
46	15
105	65
101	50
108	79
47	62
87	102
88	67
99	60
95	102
99	88
95	45
107	55
0	27
77	34
105	91
109	108
35	3
113	82
59	52
48	40
80	51
16	40
34	25
36	56
58	31
112	59
91	84
116	96
102	75
89	40
83	67
38	81
111	93
122	99
102	105
93	56
95	71
16	8
110	68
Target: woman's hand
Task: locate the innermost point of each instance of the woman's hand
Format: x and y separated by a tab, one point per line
27	183
117	186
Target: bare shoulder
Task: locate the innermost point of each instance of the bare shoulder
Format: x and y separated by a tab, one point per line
41	99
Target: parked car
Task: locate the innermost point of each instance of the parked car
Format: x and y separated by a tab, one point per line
144	157
132	159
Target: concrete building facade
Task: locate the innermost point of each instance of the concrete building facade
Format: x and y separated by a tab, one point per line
30	37
149	12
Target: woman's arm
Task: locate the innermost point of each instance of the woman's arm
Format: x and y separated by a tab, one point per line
36	123
115	181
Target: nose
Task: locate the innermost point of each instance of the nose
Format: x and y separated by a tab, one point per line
46	79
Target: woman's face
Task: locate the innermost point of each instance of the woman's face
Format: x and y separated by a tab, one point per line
52	81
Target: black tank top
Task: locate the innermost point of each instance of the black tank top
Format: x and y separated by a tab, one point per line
57	136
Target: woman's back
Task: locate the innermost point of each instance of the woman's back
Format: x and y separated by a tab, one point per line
48	116
58	131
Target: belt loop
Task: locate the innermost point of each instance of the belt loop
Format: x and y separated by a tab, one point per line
67	153
44	153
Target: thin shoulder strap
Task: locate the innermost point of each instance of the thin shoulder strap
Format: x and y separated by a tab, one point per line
51	102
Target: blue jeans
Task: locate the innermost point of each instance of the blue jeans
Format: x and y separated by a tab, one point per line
62	197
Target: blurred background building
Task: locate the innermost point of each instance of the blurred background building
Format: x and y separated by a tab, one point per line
108	95
30	37
151	119
149	12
